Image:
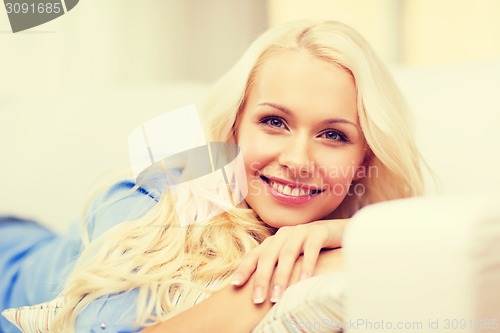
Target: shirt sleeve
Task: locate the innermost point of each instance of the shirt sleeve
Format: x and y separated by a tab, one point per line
110	314
35	262
115	313
120	203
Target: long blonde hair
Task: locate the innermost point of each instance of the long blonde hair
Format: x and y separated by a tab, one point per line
130	256
392	161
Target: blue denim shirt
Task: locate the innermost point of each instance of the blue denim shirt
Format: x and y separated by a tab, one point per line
34	262
115	313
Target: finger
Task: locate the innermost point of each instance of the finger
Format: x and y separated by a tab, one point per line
287	259
311	254
265	269
246	268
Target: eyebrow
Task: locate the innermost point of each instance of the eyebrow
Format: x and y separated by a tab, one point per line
288	112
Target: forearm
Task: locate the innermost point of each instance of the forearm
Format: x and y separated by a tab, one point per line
228	310
231	309
336	229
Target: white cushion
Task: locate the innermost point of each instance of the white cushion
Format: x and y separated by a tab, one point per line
422	260
36	318
313	305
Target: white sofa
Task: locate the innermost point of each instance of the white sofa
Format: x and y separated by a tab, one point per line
425	265
432	260
432	264
57	146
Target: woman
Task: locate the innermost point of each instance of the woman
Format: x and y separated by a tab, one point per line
323	132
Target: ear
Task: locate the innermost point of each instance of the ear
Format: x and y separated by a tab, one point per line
234	129
361	170
234	135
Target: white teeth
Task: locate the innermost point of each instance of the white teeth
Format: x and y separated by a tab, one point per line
287	190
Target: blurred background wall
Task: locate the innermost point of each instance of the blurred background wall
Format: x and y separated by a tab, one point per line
134	41
130	42
410	32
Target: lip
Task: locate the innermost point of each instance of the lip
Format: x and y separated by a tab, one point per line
288	199
293	184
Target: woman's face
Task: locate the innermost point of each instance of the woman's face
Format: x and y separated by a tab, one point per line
300	138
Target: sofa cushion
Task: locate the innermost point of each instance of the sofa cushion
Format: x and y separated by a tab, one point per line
424	262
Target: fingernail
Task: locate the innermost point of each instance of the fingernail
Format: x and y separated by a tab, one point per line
258	295
276	294
304	276
236	279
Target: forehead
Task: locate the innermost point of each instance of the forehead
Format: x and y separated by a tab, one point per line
300	81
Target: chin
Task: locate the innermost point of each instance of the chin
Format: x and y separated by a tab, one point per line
278	222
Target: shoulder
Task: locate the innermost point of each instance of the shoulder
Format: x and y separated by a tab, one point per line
128	187
123	201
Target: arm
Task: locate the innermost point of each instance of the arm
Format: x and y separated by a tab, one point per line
276	257
337	229
231	310
114	312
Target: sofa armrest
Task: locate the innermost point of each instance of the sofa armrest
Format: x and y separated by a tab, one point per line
424	264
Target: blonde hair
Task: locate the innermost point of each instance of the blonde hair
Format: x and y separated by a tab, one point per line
130	256
392	161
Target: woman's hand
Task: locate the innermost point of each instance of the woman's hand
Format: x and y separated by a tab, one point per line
230	310
277	255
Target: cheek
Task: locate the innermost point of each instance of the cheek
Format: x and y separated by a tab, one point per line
256	151
339	169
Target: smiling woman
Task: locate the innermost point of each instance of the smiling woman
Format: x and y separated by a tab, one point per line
311	108
298	126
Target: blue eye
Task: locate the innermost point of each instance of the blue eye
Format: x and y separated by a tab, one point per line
273	122
335	136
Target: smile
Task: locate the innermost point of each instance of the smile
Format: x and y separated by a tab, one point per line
290	194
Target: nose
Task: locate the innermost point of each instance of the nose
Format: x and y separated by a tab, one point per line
296	157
